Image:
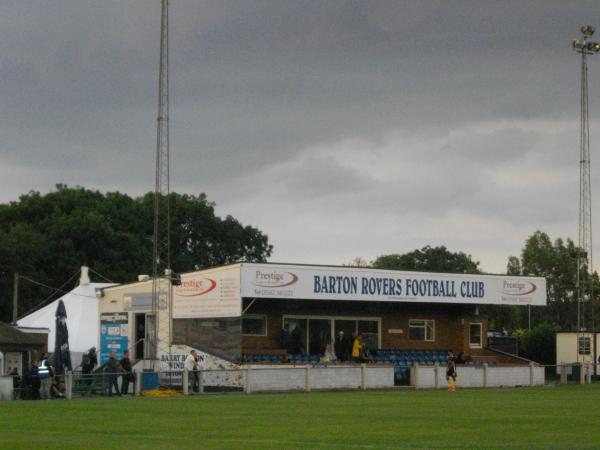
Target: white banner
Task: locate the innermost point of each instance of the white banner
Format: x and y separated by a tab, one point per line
339	283
208	294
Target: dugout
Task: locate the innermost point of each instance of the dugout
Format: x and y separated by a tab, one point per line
238	310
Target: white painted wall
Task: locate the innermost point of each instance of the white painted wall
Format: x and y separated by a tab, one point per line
478	376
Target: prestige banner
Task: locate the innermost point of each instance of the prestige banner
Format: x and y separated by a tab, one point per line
208	294
340	283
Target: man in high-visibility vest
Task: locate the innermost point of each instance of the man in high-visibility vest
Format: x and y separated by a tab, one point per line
45	376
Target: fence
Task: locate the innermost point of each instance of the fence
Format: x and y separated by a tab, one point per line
280	378
572	373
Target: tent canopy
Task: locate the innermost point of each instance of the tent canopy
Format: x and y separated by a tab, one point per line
82	319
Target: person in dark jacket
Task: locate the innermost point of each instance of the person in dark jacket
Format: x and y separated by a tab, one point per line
112	368
341	347
127	376
32	382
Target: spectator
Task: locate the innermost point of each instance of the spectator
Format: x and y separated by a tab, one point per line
127	376
14	373
328	356
32	382
45	376
357	348
191	365
341	347
366	354
296	341
89	361
112	368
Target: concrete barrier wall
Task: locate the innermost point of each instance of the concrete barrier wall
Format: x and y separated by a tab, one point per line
6	388
478	376
315	378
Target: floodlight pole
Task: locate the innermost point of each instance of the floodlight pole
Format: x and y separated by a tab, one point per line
584	251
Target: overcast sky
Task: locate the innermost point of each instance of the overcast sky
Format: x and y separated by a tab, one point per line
339	128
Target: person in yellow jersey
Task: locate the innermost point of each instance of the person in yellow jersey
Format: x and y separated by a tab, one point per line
357	348
451	371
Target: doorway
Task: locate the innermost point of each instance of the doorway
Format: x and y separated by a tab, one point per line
140	335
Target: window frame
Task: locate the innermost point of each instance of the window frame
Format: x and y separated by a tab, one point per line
424	327
587	345
480	326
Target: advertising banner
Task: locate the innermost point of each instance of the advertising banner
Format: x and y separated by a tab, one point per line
208	294
340	283
113	335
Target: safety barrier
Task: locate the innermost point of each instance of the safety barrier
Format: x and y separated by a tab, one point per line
282	378
483	375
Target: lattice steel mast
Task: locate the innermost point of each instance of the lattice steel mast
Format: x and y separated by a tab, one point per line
161	255
584	254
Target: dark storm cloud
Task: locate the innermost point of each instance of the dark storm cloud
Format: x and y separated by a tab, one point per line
451	112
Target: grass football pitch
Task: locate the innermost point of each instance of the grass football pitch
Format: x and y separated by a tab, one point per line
543	417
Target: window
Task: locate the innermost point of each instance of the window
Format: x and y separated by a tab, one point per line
254	325
584	344
475	335
421	330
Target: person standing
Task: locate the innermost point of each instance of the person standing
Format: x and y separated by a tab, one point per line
451	371
112	368
45	376
191	365
341	347
127	376
357	348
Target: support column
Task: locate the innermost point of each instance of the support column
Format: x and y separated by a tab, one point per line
138	382
185	377
247	381
68	385
485	374
414	375
363	376
531	374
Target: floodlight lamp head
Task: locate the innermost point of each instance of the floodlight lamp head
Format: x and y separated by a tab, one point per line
587	30
593	47
577	45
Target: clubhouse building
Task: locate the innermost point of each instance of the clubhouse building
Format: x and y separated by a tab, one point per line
238	311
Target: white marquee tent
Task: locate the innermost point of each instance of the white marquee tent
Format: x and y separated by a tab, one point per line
82	318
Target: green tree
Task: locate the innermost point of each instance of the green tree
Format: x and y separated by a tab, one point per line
539	343
48	237
557	263
429	259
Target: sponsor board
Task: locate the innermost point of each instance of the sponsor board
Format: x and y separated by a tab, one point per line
208	294
114	336
323	283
